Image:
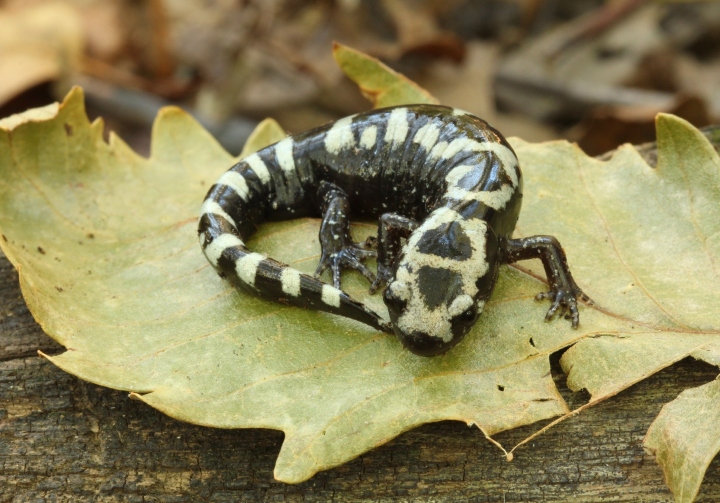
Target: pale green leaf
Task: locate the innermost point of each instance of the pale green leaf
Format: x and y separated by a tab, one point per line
685	437
382	85
658	231
653	236
121	282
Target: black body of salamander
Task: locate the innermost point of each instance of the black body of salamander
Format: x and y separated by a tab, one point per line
441	179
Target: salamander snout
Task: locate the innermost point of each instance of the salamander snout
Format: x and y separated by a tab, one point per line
424	331
424	344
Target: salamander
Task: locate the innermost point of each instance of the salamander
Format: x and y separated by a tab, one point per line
446	189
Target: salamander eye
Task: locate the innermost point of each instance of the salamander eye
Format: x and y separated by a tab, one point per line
466	317
463	310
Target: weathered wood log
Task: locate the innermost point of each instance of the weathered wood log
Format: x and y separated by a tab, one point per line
62	439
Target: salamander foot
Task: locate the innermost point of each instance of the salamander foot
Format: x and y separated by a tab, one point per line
563	301
564	292
346	256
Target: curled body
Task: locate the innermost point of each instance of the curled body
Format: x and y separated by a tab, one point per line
446	188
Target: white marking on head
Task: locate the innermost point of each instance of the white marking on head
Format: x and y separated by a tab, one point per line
400	290
427	136
340	136
202	238
417	317
368	137
284	155
215	249
246	267
290	279
397	126
237	182
211	207
258	166
432	323
330	295
457	111
461	303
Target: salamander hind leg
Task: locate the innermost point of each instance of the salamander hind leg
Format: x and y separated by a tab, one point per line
564	292
338	249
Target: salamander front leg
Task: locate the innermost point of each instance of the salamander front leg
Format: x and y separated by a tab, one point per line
391	229
564	292
338	249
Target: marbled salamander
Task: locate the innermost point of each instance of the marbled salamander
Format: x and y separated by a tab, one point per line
440	178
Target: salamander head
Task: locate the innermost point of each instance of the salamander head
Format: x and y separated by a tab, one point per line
440	278
425	331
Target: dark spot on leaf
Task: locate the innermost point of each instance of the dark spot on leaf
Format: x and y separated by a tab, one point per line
90	235
68	129
40	249
59	288
500	387
4	238
532	342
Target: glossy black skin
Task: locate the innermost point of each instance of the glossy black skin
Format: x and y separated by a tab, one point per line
392	181
387	179
397	184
